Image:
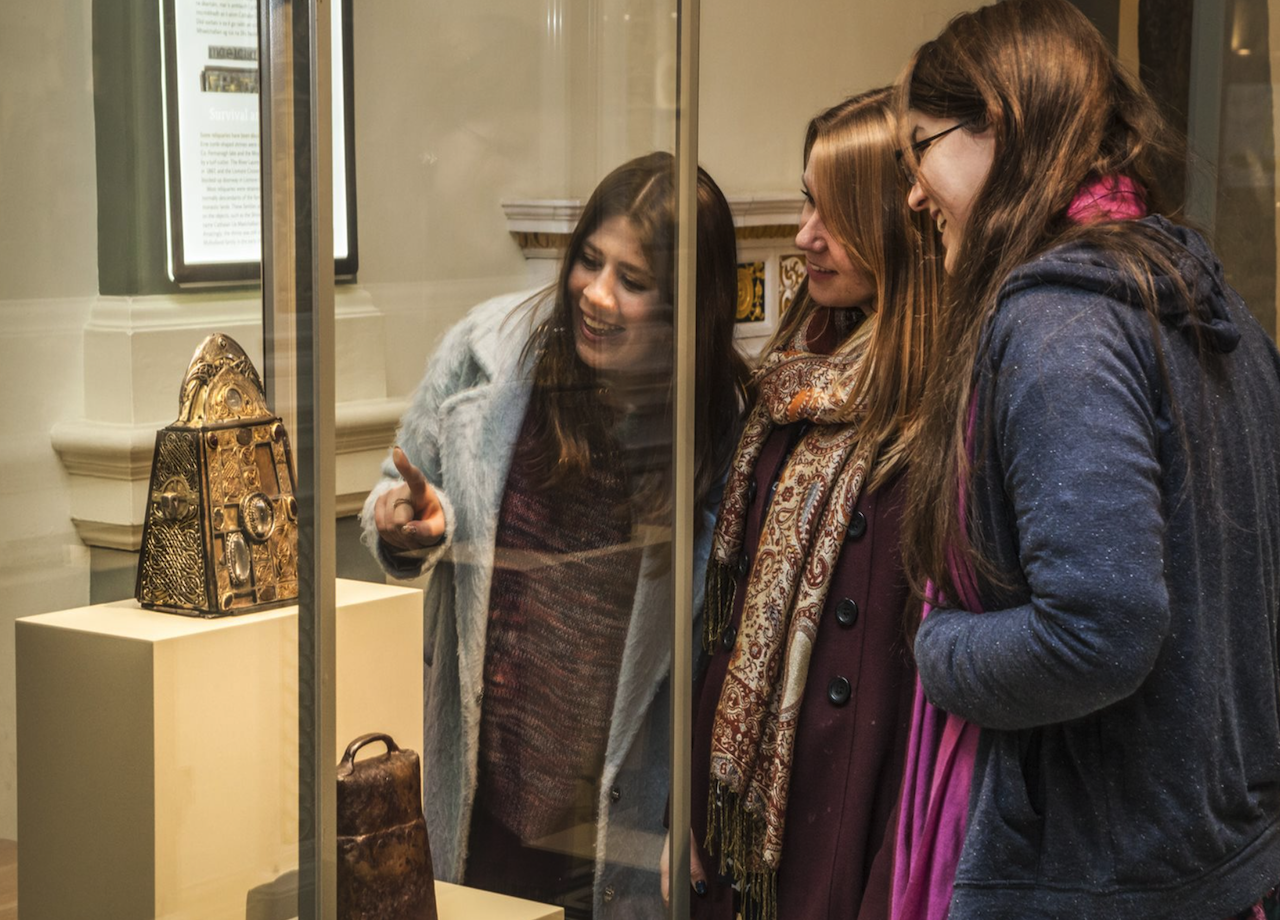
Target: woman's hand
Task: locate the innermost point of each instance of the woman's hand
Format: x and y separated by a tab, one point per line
697	878
409	517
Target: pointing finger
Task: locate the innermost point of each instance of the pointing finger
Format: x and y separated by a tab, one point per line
413	478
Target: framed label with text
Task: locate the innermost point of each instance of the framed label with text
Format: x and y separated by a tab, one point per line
211	141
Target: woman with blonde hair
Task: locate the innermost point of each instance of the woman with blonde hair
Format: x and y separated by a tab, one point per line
801	713
1094	509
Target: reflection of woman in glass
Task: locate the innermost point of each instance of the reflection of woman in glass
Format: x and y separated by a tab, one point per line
532	479
800	718
1100	474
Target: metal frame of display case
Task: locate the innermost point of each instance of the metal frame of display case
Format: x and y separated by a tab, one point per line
298	336
685	367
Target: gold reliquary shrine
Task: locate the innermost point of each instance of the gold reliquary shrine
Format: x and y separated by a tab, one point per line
220	534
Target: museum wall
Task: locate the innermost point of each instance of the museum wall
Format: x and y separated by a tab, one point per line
460	108
48	280
444	134
753	117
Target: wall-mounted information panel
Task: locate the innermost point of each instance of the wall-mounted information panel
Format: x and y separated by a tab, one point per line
211	81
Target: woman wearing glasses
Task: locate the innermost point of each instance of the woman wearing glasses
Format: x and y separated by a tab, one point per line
801	713
1094	512
531	480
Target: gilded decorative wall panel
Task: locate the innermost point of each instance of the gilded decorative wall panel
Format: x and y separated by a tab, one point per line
750	292
789	277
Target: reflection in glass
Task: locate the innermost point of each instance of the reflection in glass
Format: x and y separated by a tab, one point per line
532	479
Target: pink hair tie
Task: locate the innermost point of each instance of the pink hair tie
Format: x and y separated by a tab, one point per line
1108	198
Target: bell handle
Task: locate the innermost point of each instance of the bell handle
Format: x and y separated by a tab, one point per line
349	758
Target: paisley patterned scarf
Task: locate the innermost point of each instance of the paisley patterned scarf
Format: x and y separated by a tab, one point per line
755	723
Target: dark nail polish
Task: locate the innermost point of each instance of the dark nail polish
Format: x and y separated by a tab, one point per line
700	887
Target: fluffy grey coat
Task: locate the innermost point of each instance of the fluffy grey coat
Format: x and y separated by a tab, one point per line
460	430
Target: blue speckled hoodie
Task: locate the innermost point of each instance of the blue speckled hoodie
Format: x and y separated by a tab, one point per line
1127	681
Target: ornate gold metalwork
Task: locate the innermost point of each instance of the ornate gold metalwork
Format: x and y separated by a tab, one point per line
766	232
220	533
791	273
750	292
543	242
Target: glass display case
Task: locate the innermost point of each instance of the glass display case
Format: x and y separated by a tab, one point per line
522	180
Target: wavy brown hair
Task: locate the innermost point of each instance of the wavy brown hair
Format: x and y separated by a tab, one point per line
571	418
861	194
1063	113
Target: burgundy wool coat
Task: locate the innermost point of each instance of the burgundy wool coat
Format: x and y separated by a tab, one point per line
852	735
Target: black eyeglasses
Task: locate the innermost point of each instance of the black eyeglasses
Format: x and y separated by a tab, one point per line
919	147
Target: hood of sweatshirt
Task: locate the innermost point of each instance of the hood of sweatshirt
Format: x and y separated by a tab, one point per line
1087	268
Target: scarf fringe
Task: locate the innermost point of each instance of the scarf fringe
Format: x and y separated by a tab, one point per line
722	587
741	834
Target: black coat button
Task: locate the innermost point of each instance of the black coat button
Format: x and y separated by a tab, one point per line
615	793
857	525
847	612
744	566
838	691
729	637
752	489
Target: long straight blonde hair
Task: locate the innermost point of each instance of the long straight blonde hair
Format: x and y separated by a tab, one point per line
861	193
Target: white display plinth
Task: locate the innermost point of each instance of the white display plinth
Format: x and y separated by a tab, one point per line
457	903
158	754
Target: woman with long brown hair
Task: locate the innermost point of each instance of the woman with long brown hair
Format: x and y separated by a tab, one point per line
1099	471
531	479
801	713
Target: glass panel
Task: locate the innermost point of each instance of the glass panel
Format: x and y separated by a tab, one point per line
150	756
539	703
300	183
536	392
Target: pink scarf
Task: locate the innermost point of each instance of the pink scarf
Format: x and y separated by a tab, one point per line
934	808
1108	198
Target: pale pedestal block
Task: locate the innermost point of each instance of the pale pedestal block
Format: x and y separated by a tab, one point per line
454	902
457	903
158	754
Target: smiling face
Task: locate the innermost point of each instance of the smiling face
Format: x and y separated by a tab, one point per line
620	325
834	281
949	174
